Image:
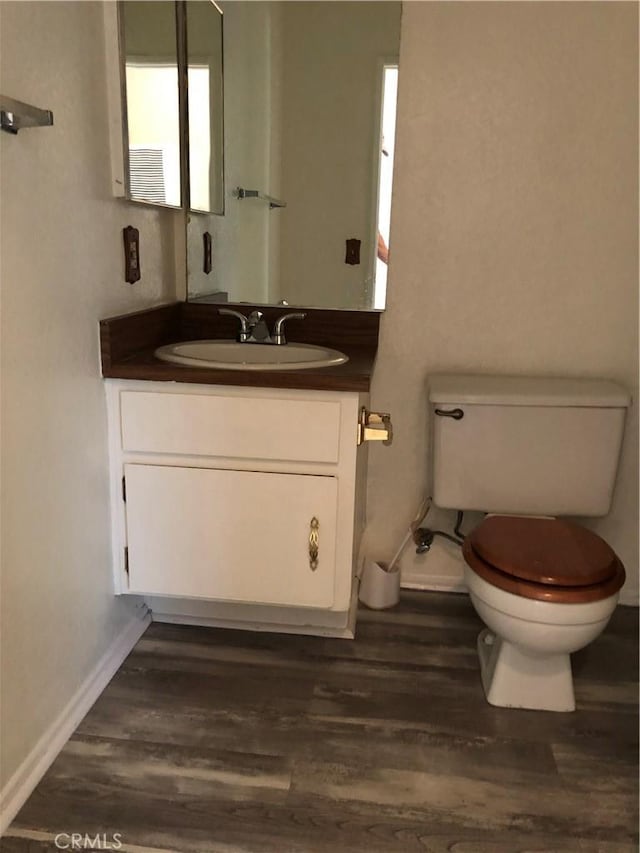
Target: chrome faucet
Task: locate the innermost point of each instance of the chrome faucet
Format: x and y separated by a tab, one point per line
258	329
254	329
278	329
244	333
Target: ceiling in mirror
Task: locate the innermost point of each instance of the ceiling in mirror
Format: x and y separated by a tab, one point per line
309	126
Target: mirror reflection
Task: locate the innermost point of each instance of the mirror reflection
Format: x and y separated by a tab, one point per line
309	126
152	115
205	106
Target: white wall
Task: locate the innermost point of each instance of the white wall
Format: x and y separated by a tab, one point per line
514	228
62	270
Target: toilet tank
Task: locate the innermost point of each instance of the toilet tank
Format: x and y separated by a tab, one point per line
523	445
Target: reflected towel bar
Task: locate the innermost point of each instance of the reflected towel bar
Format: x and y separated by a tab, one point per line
273	202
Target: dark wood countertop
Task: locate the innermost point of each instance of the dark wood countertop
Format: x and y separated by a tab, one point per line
128	344
355	375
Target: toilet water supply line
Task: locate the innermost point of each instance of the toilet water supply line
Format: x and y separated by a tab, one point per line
425	506
424	536
423	511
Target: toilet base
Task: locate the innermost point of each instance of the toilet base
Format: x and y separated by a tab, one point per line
514	678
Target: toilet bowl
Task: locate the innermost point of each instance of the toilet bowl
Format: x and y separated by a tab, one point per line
531	451
545	588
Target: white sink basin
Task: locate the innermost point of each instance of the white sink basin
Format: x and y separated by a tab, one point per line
230	355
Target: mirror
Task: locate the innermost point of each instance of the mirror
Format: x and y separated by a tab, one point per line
205	106
309	126
154	38
149	59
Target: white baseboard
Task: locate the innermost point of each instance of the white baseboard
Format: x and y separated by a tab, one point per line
257	617
441	569
433	584
22	783
341	625
259	627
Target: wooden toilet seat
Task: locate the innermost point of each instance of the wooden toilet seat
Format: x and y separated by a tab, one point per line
544	559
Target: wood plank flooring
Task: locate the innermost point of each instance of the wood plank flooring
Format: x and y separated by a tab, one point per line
237	742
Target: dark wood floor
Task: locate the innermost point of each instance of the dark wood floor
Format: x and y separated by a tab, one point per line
225	741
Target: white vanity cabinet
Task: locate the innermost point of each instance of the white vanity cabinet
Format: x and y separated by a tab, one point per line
237	505
231	535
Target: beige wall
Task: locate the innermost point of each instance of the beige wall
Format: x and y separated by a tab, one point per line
514	228
62	270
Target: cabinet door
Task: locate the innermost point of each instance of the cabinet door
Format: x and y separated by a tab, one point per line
230	535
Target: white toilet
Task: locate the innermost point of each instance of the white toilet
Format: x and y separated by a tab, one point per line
527	451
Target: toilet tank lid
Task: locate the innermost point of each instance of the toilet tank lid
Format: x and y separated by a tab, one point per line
452	388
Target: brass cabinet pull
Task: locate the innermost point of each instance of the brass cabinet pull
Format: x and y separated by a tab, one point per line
314	526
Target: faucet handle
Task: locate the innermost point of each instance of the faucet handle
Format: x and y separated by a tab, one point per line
278	329
254	318
258	329
245	331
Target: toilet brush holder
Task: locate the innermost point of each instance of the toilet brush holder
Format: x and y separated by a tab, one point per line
380	587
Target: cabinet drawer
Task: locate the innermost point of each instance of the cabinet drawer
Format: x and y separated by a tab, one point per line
230	535
241	427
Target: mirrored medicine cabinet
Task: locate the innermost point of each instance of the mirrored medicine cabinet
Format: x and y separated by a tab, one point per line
285	169
172	96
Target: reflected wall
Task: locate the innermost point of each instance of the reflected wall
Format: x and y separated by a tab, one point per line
303	108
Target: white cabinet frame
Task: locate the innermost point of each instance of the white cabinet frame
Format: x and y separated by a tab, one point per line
349	470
